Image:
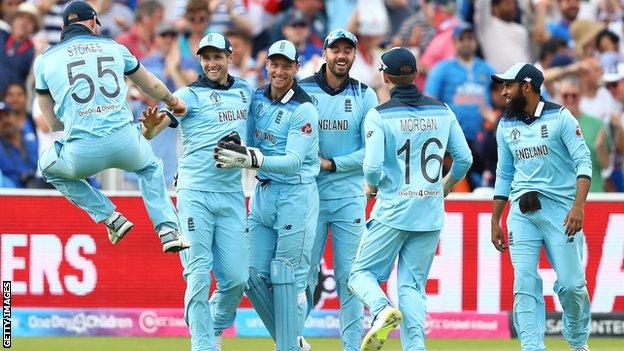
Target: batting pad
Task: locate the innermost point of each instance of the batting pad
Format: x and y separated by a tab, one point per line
259	293
286	307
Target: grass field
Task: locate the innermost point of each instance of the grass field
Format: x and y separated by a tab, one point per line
249	344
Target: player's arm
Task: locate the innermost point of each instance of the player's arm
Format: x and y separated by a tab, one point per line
299	141
155	120
354	160
375	150
157	90
461	154
44	99
46	104
579	152
502	188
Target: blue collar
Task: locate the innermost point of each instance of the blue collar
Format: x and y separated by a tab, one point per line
319	78
204	82
74	30
407	94
289	94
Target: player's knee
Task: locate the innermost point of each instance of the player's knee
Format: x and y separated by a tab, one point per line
573	285
524	303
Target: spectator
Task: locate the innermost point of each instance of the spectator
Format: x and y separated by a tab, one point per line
399	11
18	151
198	16
15	96
116	17
140	37
16	60
608	45
584	34
463	83
441	45
503	41
227	14
7	7
297	30
569	10
5	182
595	100
243	65
338	13
52	12
550	49
593	129
487	140
313	10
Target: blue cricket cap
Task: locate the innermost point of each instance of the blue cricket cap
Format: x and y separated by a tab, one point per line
521	73
461	28
339	34
215	40
398	61
284	48
78	11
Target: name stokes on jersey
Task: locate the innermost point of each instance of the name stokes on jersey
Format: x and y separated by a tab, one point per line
83	48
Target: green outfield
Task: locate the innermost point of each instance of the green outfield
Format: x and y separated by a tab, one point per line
250	344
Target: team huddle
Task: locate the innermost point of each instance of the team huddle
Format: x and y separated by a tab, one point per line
320	147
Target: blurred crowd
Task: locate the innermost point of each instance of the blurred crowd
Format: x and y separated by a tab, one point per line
579	45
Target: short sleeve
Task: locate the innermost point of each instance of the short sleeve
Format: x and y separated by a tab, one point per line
41	87
190	99
131	64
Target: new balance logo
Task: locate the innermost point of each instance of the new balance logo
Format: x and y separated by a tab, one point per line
347	105
358	220
544	131
190	224
288	227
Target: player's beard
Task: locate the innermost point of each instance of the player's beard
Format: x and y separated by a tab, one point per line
333	69
516	105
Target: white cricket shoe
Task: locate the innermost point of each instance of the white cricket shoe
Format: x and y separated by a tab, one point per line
117	227
388	319
172	241
303	344
582	348
219	342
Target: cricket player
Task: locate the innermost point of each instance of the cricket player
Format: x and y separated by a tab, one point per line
81	90
211	202
342	102
406	139
544	165
283	147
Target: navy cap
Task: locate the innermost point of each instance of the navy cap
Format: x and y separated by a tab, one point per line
297	17
339	34
522	73
78	11
284	48
217	41
398	61
461	28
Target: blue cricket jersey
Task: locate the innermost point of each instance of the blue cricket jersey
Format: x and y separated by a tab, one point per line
406	139
544	153
465	88
341	133
286	133
213	111
84	74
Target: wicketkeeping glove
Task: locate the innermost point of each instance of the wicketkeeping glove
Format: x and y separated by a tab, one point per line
229	153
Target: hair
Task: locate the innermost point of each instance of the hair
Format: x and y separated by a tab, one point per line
551	47
609	34
569	79
496	2
15	84
237	32
147	8
402	80
197	5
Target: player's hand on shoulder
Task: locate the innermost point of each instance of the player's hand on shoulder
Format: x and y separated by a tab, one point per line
151	117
